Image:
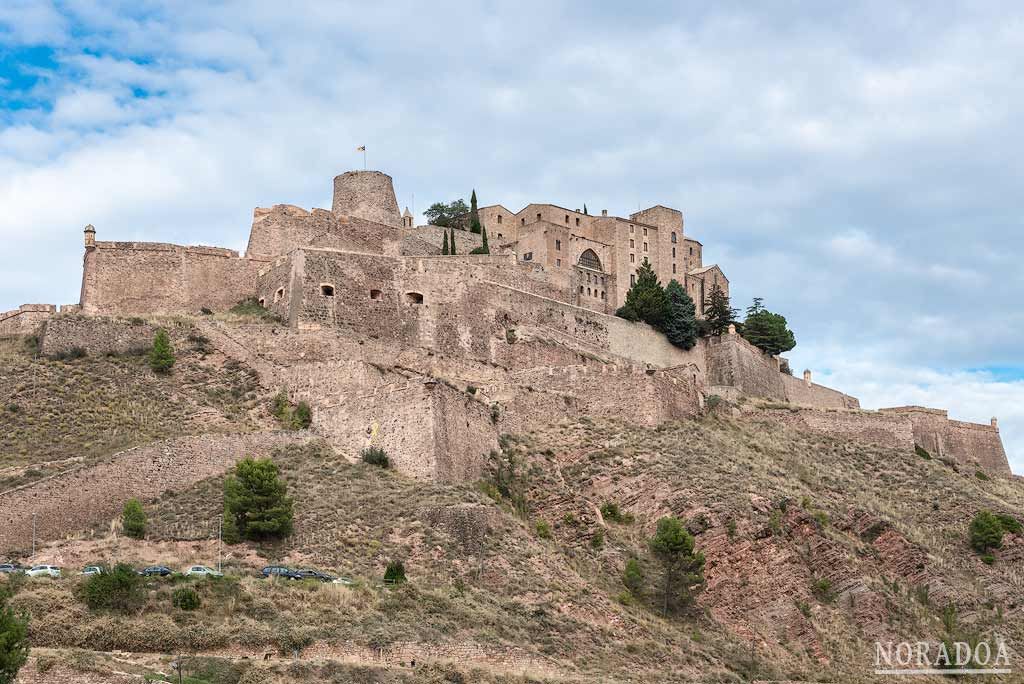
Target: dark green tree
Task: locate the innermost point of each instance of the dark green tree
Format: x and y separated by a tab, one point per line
395	572
120	589
257	499
444	245
133	519
483	248
646	300
229	530
474	215
585	209
681	325
451	215
683	566
633	577
451	244
986	532
13	643
718	314
766	330
161	356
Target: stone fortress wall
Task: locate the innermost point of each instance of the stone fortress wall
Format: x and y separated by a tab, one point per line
433	356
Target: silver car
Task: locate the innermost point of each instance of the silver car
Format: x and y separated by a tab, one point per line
203	571
44	571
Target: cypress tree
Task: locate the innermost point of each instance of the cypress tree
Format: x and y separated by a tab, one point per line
451	244
487	249
646	300
681	326
444	245
718	315
585	209
474	215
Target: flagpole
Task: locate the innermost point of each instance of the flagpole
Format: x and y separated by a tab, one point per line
364	157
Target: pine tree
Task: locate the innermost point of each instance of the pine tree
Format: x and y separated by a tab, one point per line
444	244
718	315
451	244
646	300
257	499
133	519
766	330
474	215
13	643
161	356
683	566
681	326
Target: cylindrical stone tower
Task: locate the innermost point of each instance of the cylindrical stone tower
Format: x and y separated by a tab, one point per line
367	195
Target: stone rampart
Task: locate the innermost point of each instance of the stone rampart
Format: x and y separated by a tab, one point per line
97	336
368	195
806	393
94	495
27	319
971	444
734	362
125	278
864	427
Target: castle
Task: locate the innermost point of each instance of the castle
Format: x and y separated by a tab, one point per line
432	356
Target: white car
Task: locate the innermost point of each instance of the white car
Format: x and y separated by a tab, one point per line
202	571
92	570
44	571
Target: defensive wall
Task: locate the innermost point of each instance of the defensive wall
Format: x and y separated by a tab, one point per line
26	319
86	496
282	228
124	278
972	444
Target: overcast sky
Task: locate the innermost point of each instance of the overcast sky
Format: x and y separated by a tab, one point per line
860	169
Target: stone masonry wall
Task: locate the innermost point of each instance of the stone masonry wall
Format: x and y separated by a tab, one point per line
819	396
97	336
974	445
865	427
735	362
94	495
27	319
124	278
367	195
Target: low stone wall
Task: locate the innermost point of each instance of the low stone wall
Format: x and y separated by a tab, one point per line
95	495
97	336
811	394
864	427
27	319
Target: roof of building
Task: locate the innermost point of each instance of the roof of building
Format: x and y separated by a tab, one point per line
705	269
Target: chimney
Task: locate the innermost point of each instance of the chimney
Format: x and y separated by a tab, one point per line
732	329
995	423
807	378
604	212
90	236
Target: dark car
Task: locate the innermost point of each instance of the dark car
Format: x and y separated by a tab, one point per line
11	568
281	571
315	574
156	571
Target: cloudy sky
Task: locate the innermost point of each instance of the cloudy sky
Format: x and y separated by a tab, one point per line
859	168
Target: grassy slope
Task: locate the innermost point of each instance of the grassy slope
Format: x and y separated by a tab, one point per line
775	511
53	410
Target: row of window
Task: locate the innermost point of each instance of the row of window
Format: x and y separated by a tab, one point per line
594	292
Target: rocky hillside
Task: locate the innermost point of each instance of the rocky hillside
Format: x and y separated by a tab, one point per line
815	548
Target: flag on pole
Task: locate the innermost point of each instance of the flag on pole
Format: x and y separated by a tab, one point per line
361	148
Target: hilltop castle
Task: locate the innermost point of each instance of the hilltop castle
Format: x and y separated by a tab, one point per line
432	356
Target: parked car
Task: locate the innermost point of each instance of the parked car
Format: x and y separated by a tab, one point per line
11	568
156	571
280	571
202	571
345	581
315	574
44	571
92	570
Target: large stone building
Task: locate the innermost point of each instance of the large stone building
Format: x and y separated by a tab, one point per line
432	356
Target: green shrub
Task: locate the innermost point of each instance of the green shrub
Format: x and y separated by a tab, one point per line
119	590
375	456
395	572
291	416
13	643
986	532
633	577
611	513
988	559
250	306
1010	524
597	540
922	452
543	529
133	519
161	356
981	475
185	598
822	590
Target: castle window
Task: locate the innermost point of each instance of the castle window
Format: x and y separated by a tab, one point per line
566	219
632	243
673	237
589	260
645	231
413	297
528	256
263	302
326	290
632	258
499	221
577	220
581	289
279	295
499	234
603	295
691	251
558	262
645	246
522	221
630	227
538	216
673	268
673	252
558	245
632	279
588	291
376	295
